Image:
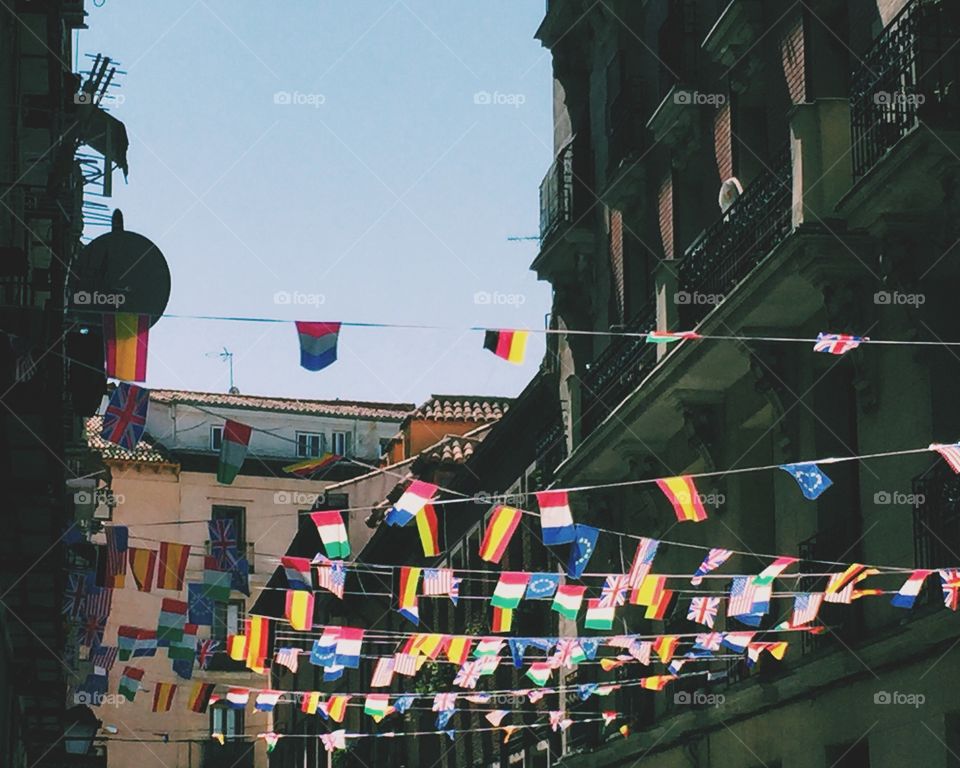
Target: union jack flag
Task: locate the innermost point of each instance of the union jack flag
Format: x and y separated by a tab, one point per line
97	602
714	559
709	641
223	543
444	701
950	453
73	597
91	631
126	415
951	587
703	610
205	651
837	343
289	658
614	591
332	576
468	675
564	654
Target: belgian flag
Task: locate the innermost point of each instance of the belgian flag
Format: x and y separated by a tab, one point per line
510	345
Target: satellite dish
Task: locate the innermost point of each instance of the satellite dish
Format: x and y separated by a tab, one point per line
120	271
730	190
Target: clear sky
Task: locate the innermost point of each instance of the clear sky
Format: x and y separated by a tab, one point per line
383	191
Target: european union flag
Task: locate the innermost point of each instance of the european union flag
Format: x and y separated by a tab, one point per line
581	550
240	576
542	586
810	478
199	606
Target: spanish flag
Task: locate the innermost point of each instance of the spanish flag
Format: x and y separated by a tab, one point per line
458	651
682	493
427	528
335	707
163	696
299	609
309	702
125	340
500	528
258	635
237	647
665	647
510	345
200	697
142	564
172	565
656	611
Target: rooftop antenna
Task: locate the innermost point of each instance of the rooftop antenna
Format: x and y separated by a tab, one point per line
226	356
518	238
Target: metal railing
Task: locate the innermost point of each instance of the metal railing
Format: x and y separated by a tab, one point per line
551	448
616	372
626	130
726	252
936	518
556	193
910	74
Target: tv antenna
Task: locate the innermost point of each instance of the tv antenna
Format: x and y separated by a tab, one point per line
519	238
226	356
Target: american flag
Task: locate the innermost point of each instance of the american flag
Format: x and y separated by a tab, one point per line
950	578
837	343
104	656
289	658
640	650
117	538
455	589
444	701
332	576
97	602
223	543
468	675
91	631
614	591
382	673
205	651
714	559
950	453
703	610
405	664
742	595
73	597
126	415
805	608
437	581
642	561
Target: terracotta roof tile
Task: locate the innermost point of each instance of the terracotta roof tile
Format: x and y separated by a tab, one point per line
345	408
146	450
462	408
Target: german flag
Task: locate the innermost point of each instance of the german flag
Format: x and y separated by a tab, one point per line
510	345
125	337
200	697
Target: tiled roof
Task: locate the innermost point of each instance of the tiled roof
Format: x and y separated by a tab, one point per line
145	451
456	449
345	408
462	408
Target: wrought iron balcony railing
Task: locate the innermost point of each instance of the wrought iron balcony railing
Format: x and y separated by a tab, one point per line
557	194
726	252
616	372
936	518
551	448
909	75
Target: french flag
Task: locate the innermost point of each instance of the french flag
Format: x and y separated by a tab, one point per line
556	520
318	344
908	593
266	701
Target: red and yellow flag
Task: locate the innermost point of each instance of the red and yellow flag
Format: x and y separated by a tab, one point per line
299	609
309	702
172	565
501	526
142	564
163	696
683	495
458	649
237	647
200	697
502	619
510	345
125	338
427	528
258	634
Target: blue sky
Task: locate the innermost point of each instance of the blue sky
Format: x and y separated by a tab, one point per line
381	192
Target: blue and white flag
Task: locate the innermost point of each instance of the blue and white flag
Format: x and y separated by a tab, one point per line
581	550
542	586
809	477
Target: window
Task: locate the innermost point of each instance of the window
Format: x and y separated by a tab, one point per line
309	444
385	445
225	720
216	437
855	755
340	443
228	619
239	517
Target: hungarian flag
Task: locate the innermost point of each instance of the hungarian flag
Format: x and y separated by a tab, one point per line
509	589
510	345
125	338
130	682
233	450
332	532
173	619
568	599
126	415
318	344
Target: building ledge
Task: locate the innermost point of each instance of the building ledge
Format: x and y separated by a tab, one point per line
739	27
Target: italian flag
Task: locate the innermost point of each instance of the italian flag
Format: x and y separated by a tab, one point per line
376	705
599	617
333	533
668	337
233	450
567	600
509	589
539	672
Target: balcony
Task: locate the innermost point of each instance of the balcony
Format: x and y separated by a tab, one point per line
556	194
616	372
936	518
626	143
907	79
726	252
244	549
551	448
